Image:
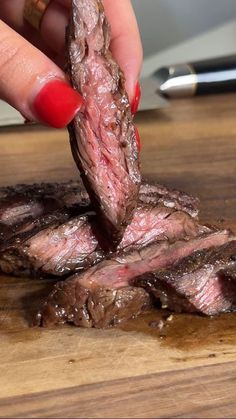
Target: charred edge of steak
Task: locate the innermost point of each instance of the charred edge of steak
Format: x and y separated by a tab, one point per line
100	308
57	191
118	273
88	35
203	282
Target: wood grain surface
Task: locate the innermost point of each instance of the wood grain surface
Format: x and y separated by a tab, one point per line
188	369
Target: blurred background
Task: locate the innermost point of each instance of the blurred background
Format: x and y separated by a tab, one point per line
164	23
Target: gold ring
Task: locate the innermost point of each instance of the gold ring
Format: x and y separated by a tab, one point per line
34	11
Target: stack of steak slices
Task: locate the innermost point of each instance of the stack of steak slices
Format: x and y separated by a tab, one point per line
165	254
151	245
162	231
119	288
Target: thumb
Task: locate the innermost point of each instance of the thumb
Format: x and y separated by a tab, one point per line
33	84
126	43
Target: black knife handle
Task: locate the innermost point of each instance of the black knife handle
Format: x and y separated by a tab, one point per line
217	75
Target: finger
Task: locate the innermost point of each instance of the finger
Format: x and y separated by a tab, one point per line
12	13
126	43
53	27
53	24
65	3
32	83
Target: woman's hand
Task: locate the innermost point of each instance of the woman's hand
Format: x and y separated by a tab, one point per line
31	75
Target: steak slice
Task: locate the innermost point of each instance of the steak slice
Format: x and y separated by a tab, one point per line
77	299
23	207
69	244
171	198
204	282
59	250
63	191
17	209
71	193
102	138
98	307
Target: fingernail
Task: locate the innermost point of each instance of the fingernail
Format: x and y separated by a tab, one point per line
138	140
136	99
57	103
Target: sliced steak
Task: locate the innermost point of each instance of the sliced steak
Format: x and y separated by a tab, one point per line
157	222
30	207
13	257
16	210
19	214
204	282
72	244
98	307
58	191
77	299
171	198
103	136
72	192
22	205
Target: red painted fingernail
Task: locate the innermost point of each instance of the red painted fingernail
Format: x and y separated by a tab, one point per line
138	140
136	99
57	103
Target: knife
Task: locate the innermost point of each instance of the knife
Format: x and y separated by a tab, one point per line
217	75
151	97
9	116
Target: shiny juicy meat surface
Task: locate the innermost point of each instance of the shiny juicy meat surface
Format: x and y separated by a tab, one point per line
102	137
204	282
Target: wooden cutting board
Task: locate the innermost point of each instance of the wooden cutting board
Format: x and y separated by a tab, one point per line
188	369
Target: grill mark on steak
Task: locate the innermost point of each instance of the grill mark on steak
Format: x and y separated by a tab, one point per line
204	282
66	303
102	138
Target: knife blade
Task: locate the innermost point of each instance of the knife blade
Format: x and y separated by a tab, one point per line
9	116
150	98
